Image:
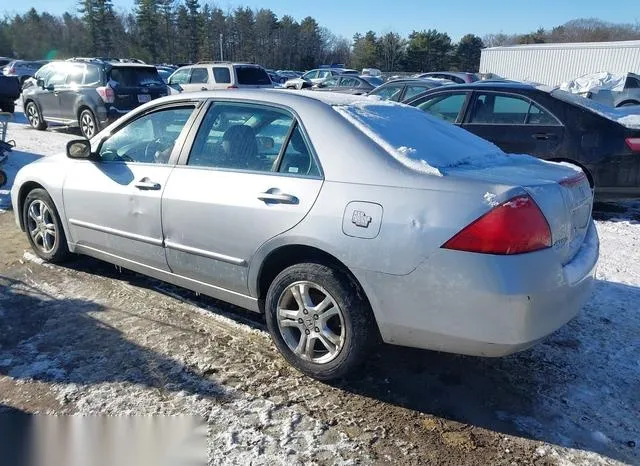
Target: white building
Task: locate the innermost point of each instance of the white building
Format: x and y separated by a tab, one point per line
552	64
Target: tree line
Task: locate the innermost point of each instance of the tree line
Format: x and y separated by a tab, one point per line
185	31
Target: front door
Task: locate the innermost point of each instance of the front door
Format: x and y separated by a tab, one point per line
199	80
113	204
515	124
49	97
248	177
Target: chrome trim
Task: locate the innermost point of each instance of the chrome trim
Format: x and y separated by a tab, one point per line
113	231
204	253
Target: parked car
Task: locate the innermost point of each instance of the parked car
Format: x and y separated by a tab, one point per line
88	93
400	90
550	124
23	69
349	84
371	72
277	78
614	90
9	93
398	233
289	73
317	76
455	76
219	75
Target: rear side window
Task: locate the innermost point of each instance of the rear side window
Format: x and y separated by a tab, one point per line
297	158
199	76
413	91
632	83
508	110
252	75
221	75
92	75
135	76
76	74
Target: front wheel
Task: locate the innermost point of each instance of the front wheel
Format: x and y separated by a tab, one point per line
43	227
88	124
319	320
35	117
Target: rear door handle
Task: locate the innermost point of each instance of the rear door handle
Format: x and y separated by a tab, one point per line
146	185
543	136
277	198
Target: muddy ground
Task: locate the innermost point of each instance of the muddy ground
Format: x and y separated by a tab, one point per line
88	338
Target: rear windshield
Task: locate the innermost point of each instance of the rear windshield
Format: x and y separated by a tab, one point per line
135	76
252	75
418	140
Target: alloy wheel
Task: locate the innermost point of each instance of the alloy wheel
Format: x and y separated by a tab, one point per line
311	322
87	125
41	226
32	115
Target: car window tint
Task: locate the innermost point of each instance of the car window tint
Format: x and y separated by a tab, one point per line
135	76
499	109
148	139
252	75
221	75
632	83
539	116
324	74
180	76
199	76
413	91
240	137
297	158
75	75
92	75
310	74
349	82
389	92
45	71
331	82
445	106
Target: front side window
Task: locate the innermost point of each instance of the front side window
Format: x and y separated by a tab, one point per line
445	106
249	137
221	75
199	76
57	77
310	75
324	74
180	76
349	82
331	82
148	139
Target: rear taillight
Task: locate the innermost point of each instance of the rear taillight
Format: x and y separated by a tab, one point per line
514	227
106	94
232	87
633	143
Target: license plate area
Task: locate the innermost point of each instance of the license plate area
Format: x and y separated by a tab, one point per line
142	98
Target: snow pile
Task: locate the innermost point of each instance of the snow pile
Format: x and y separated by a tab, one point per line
595	82
416	139
626	116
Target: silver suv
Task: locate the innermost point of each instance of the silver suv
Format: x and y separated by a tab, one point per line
206	76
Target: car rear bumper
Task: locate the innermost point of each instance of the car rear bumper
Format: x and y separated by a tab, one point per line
480	304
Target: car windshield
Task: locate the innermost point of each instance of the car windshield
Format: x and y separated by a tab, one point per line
252	75
135	76
418	140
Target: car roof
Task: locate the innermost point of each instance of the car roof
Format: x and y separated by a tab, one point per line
412	81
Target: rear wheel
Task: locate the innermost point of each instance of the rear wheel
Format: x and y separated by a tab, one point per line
88	123
319	320
43	226
34	116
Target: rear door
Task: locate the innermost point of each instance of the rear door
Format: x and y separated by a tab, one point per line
514	123
54	81
248	176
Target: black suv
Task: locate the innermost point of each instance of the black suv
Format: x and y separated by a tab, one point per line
89	93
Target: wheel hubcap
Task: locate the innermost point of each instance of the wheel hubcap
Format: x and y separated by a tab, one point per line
311	322
41	226
32	115
87	124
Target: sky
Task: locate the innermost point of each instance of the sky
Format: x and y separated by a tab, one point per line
457	17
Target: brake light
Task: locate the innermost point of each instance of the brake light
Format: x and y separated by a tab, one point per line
633	143
233	86
514	227
106	94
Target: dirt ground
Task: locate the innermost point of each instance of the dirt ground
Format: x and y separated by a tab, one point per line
88	338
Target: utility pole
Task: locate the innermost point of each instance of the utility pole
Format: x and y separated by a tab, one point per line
221	54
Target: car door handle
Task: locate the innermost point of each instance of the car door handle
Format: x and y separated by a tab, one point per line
146	185
277	198
543	136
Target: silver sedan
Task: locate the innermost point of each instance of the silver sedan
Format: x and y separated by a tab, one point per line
346	220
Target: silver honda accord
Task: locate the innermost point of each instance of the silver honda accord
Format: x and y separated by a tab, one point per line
346	220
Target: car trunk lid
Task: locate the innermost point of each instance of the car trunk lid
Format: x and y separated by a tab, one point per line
562	191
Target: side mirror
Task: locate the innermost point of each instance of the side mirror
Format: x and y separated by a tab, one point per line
79	149
50	87
40	83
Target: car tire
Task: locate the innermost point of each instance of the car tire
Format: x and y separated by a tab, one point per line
34	116
88	124
336	318
43	227
299	86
